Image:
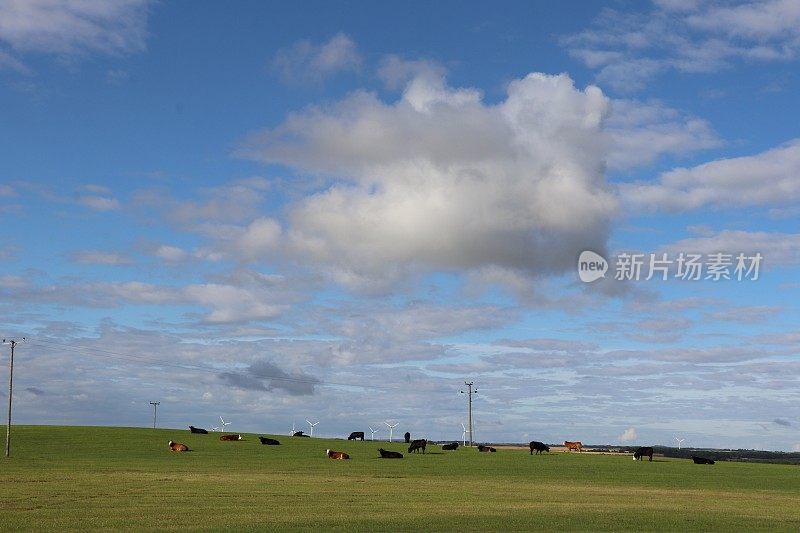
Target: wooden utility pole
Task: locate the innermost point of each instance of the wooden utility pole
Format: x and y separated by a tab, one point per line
469	395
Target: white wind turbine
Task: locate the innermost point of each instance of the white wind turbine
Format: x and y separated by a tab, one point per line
373	431
680	441
312	426
391	428
224	423
464	434
214	428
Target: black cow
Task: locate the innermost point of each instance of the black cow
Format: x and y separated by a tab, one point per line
482	448
268	441
417	445
644	451
538	447
407	436
299	434
387	454
702	460
451	446
356	435
198	430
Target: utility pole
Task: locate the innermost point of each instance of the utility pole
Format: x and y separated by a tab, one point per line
13	344
155	410
469	394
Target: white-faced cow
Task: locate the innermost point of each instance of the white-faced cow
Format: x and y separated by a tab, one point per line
388	454
417	445
178	447
644	451
356	435
538	447
230	437
336	455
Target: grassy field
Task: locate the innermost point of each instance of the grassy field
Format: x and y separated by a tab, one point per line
119	478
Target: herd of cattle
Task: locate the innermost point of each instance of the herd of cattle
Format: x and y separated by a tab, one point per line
420	444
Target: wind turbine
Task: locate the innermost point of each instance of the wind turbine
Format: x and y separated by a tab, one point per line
391	428
224	423
680	441
293	430
373	431
214	428
464	434
312	426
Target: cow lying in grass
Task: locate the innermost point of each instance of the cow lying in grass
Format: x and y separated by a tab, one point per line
451	446
268	441
482	448
702	460
336	455
178	447
230	437
198	430
388	454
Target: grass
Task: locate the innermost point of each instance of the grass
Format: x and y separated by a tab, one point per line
71	478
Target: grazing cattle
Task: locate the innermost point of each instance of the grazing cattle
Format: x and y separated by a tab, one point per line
299	434
268	441
570	445
644	451
336	455
451	446
388	454
230	437
482	448
538	447
407	436
178	447
198	430
356	435
702	460
417	445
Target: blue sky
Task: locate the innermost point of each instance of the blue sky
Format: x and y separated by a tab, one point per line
274	213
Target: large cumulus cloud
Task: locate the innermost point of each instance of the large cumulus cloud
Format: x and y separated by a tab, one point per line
442	180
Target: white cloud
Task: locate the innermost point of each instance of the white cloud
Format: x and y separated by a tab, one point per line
438	179
74	28
94	257
770	178
7	191
305	62
631	48
170	254
642	131
99	203
776	248
628	435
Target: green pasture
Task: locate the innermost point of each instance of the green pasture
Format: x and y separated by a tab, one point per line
92	478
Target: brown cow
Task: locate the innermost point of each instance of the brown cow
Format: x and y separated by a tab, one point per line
178	447
336	455
573	445
230	437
